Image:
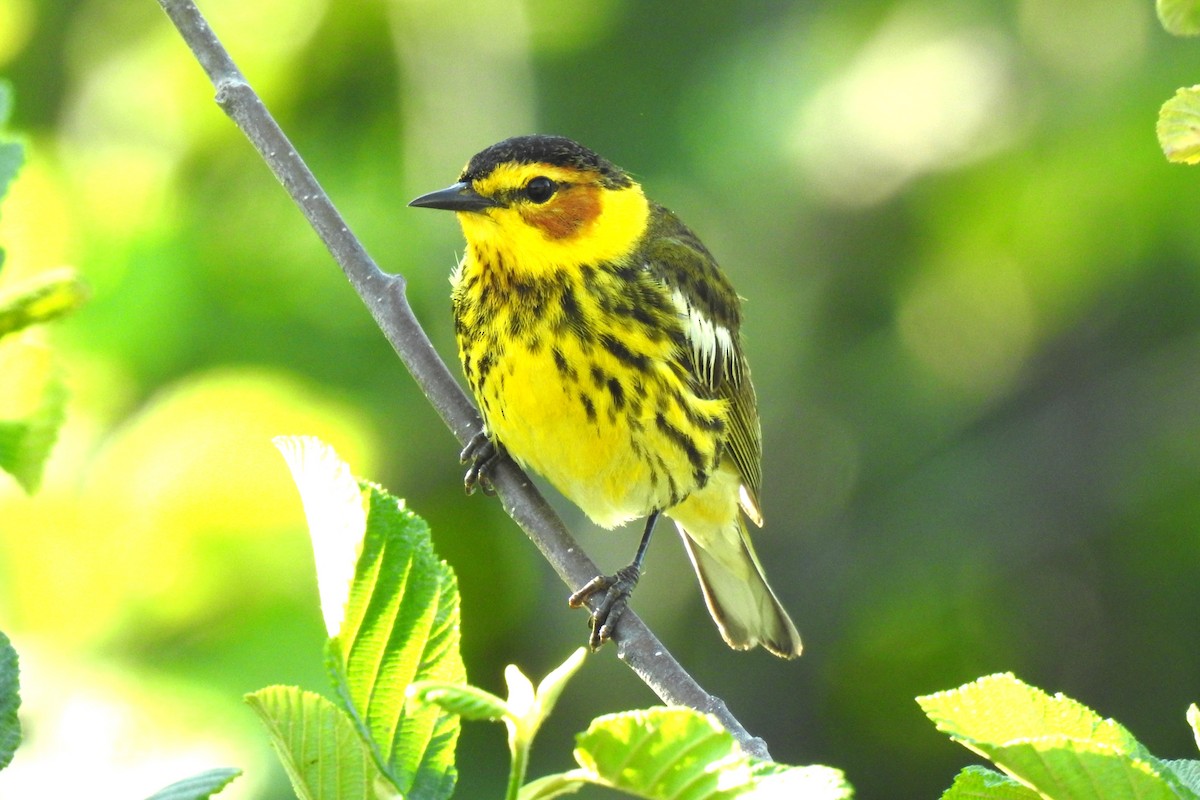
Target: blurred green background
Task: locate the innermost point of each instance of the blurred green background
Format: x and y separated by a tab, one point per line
973	316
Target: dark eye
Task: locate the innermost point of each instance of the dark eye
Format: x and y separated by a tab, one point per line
540	189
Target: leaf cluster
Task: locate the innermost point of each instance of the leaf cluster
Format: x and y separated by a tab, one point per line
1051	747
401	690
1179	118
400	693
33	405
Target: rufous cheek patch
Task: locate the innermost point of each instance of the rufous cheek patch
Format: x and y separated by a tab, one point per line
567	214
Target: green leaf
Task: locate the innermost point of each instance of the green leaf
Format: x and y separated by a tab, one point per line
1187	771
981	783
551	687
552	786
398	623
1003	708
319	745
198	787
32	409
681	754
336	511
656	752
522	697
773	781
1180	17
41	298
10	702
469	702
523	713
401	626
1055	745
1179	127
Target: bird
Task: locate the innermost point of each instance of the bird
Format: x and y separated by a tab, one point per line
602	343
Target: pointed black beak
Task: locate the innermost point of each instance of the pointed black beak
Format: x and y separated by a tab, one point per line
459	197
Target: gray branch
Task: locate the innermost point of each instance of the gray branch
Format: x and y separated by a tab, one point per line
384	296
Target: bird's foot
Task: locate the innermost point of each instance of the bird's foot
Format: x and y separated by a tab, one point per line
483	455
616	590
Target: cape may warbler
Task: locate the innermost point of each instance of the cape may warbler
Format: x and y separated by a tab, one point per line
601	341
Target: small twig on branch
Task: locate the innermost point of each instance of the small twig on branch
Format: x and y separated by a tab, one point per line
384	296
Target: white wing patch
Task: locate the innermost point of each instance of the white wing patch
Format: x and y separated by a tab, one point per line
712	344
746	501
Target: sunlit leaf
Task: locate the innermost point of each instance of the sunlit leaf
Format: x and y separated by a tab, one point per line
402	626
681	754
1180	17
1056	745
551	687
335	508
1187	771
10	701
400	621
552	786
1003	708
32	409
394	623
41	298
521	694
1179	127
198	787
772	781
981	783
469	702
656	752
319	745
1193	718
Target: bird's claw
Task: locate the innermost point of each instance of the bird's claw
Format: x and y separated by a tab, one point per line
483	454
616	590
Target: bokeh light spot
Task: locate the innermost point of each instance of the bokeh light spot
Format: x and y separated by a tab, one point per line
1087	40
970	326
916	98
16	23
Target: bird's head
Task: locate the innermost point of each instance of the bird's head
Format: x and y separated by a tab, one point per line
541	202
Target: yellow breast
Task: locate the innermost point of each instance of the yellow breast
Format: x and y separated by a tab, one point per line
600	406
